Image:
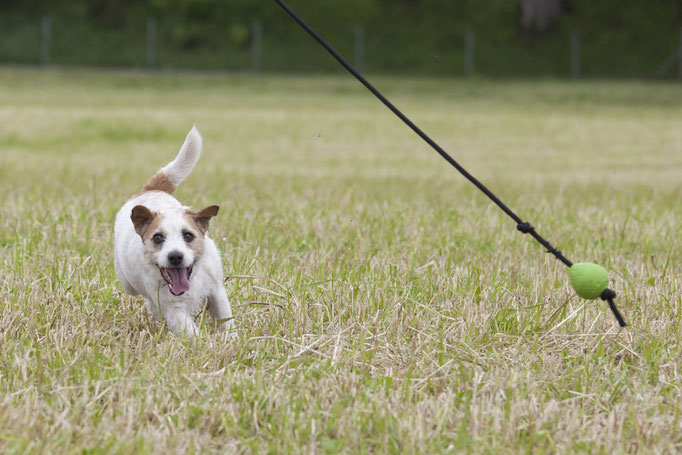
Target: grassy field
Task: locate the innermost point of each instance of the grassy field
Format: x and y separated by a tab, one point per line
382	303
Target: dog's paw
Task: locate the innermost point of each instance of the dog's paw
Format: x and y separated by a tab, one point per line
225	325
190	331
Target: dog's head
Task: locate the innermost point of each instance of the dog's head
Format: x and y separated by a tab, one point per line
173	241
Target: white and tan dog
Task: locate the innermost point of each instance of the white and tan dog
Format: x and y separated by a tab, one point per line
163	253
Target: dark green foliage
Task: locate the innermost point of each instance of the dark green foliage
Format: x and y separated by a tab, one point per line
618	38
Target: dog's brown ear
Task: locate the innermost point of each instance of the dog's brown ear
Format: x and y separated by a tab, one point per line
202	217
142	218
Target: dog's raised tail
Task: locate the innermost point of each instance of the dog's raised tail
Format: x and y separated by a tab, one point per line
172	174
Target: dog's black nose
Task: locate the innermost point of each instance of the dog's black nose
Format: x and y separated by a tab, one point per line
175	258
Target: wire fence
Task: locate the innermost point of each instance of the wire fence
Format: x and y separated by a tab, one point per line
249	47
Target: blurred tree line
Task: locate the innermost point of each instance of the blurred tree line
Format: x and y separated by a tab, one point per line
512	37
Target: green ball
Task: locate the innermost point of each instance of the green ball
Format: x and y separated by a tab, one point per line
589	280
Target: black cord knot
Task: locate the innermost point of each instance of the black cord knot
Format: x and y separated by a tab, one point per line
554	251
608	294
525	227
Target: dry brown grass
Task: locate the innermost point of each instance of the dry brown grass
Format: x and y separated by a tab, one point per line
398	311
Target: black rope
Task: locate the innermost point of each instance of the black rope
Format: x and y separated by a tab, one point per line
608	295
521	225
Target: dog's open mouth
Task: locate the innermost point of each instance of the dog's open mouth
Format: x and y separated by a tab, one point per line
177	278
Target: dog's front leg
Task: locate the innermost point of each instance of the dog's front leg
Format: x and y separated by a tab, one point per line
153	308
180	322
219	308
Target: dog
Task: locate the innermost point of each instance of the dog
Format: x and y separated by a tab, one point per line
162	250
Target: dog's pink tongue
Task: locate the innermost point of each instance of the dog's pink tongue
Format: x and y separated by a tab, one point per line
179	280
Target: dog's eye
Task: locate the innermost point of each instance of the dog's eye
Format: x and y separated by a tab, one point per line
158	238
188	236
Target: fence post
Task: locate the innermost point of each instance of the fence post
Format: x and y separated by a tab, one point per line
45	40
575	53
679	57
359	59
469	52
150	55
256	46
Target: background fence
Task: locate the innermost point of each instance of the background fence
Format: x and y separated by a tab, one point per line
396	43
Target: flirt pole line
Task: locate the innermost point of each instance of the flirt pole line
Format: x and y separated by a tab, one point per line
585	277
